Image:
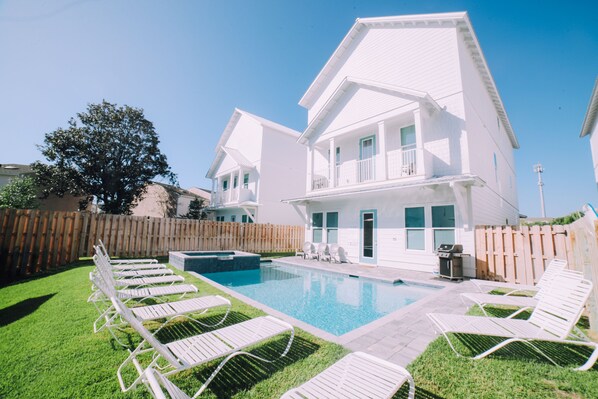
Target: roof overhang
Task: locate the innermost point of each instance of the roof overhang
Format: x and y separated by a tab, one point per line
464	180
591	114
423	98
459	20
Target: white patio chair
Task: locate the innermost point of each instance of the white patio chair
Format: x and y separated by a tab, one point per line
167	310
127	267
334	251
322	252
309	252
357	375
187	353
103	266
522	302
104	252
553	320
554	267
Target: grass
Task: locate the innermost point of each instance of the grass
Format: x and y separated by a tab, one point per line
48	350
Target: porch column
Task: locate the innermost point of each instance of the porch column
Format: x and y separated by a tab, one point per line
239	183
332	164
419	142
381	173
310	167
230	186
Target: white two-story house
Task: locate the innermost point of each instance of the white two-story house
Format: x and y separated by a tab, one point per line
257	164
409	144
590	127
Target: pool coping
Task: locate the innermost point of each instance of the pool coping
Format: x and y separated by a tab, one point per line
355	333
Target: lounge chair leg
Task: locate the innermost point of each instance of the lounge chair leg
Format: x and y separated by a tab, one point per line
592	359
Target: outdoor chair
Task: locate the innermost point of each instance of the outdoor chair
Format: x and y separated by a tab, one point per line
553	320
123	261
322	252
167	310
309	251
127	266
103	265
334	251
357	375
522	302
554	267
198	350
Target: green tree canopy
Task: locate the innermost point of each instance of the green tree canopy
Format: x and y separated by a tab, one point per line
196	210
20	193
109	152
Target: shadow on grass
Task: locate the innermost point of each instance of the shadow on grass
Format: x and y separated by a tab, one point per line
24	308
568	356
6	281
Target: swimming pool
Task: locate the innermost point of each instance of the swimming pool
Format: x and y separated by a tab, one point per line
331	302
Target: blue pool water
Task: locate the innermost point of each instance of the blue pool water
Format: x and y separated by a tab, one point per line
328	301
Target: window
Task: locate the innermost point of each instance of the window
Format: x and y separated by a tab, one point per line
495	168
332	227
246	219
415	222
220	218
235	181
408	137
233	218
443	223
317	220
224	185
246	180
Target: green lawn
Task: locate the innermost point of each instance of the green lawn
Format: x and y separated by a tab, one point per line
48	350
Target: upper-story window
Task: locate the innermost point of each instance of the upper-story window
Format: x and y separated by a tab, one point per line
246	180
408	137
235	181
224	185
495	168
443	223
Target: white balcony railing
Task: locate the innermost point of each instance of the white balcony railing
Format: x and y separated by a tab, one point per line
402	163
232	196
320	179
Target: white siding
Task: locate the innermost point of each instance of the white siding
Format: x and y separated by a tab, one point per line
487	141
423	58
594	148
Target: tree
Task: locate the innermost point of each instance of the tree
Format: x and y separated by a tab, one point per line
20	193
196	210
109	152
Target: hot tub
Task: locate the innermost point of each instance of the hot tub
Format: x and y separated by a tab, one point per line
213	261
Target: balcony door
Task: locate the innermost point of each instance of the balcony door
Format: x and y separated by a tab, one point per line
368	227
365	166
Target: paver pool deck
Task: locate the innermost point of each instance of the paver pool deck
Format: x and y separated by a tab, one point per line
400	336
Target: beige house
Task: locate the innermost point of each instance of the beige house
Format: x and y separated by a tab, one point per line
52	203
167	201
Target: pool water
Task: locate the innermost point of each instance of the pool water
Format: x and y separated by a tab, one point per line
331	302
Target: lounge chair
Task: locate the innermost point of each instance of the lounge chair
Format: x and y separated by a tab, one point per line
357	375
553	320
322	252
104	252
554	267
197	350
166	310
103	266
522	302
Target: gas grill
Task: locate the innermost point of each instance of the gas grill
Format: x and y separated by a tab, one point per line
450	261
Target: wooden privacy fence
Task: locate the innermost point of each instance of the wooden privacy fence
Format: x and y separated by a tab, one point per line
520	254
32	240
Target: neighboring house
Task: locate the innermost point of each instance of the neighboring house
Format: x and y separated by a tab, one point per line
409	144
52	203
201	192
257	164
165	201
590	127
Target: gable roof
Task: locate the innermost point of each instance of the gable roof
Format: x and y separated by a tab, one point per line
14	169
415	95
221	149
591	114
232	122
458	19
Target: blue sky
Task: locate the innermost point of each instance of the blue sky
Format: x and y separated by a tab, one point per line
188	64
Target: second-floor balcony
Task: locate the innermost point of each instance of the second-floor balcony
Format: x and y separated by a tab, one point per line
401	163
231	197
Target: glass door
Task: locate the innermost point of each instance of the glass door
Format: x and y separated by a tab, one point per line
367	253
365	169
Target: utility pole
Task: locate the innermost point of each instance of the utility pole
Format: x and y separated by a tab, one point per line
539	170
